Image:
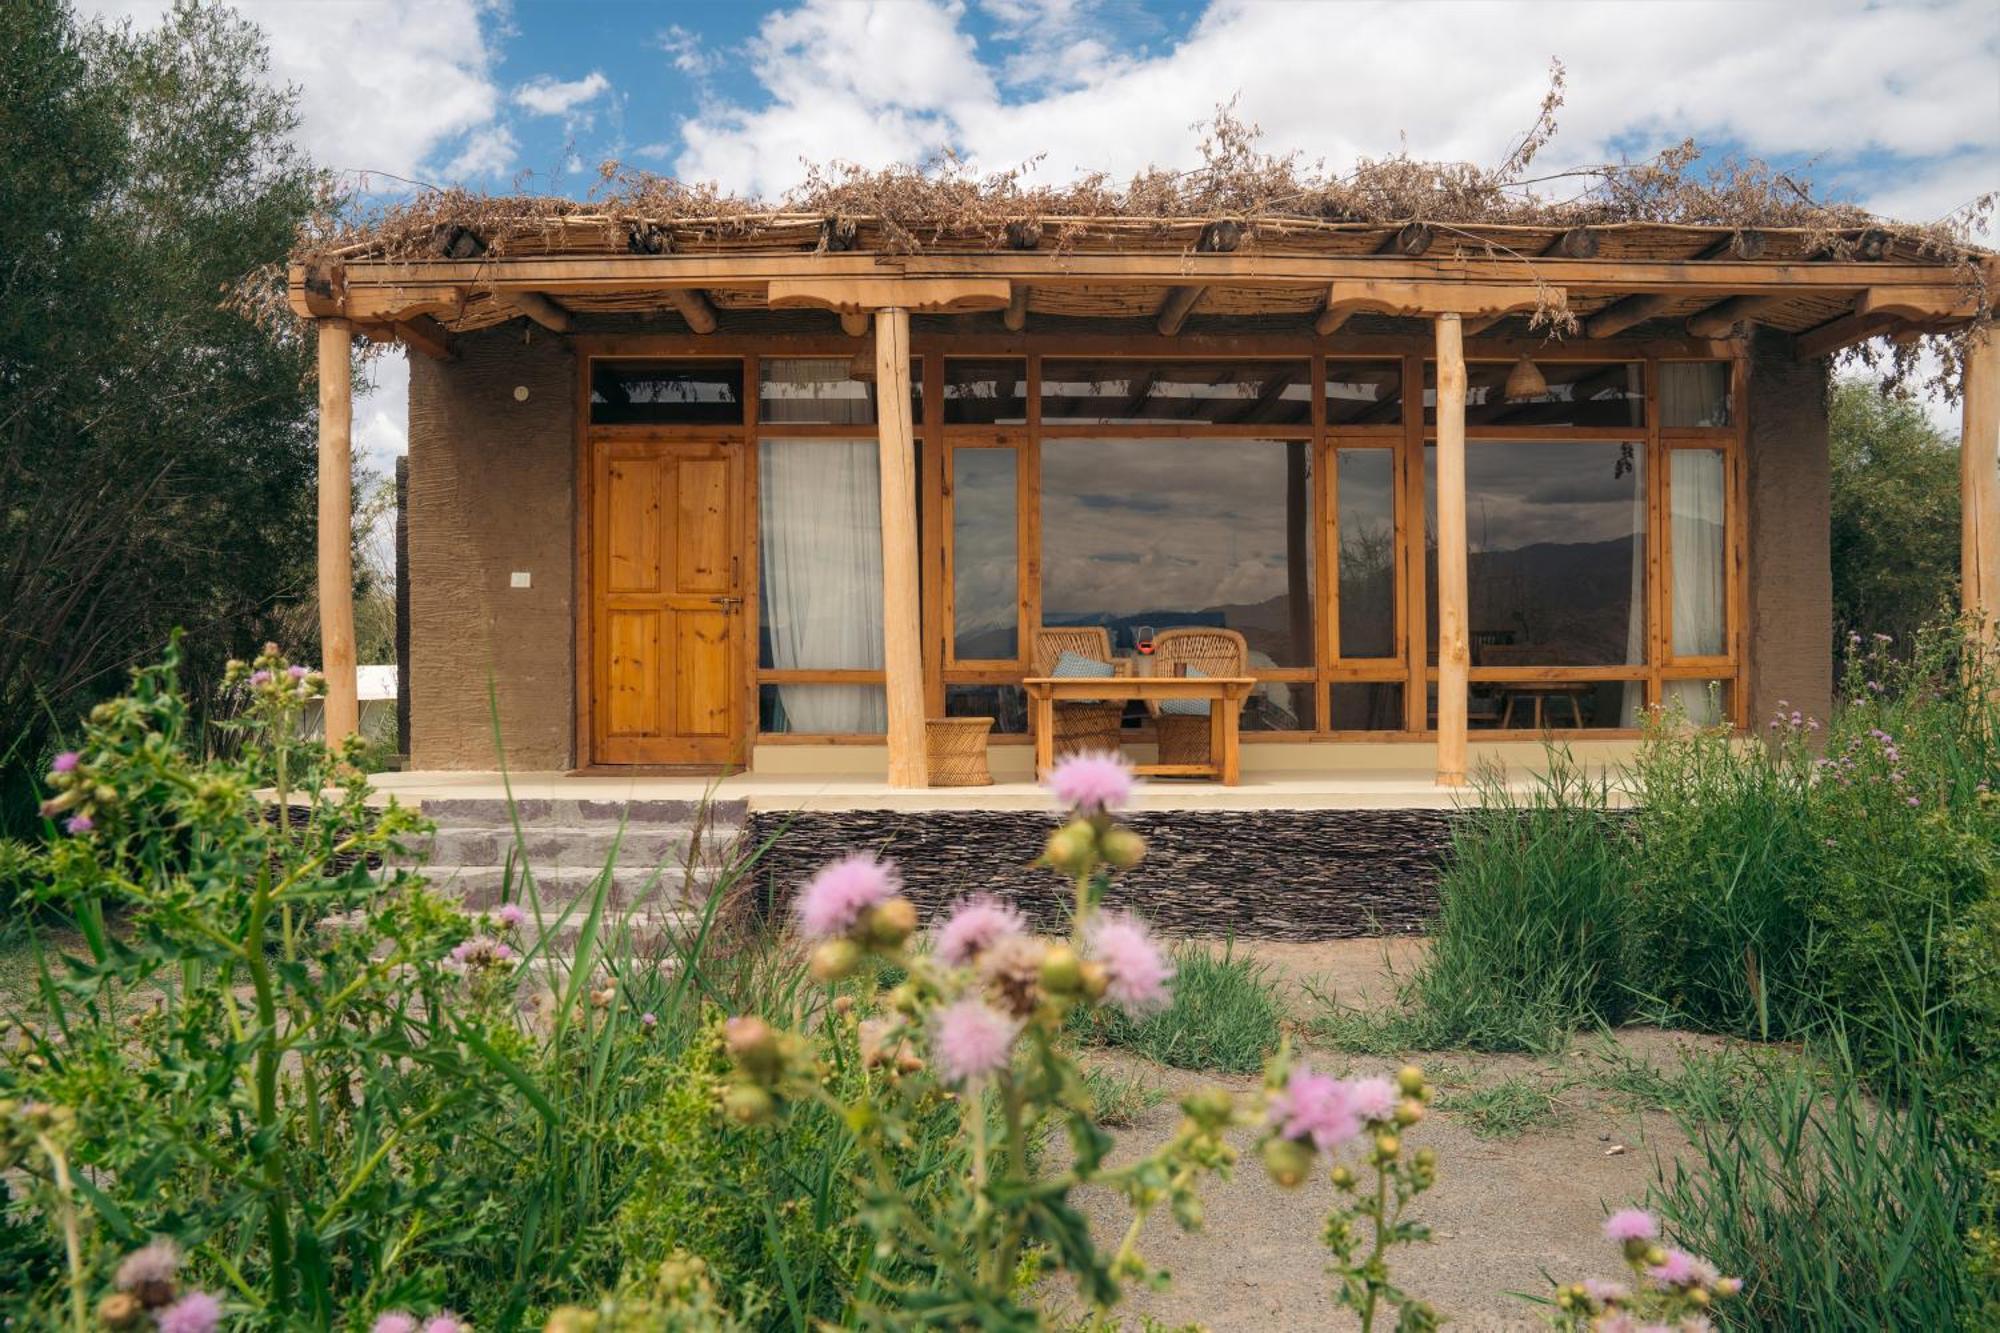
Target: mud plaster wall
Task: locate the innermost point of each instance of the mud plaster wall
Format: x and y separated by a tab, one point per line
1791	568
492	491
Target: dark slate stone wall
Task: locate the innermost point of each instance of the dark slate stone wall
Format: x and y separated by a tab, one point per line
1262	874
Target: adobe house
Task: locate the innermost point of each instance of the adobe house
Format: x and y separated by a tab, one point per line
762	494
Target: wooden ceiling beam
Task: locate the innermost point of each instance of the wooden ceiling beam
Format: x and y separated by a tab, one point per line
1016	316
1835	334
1474	327
420	334
540	309
1718	320
1576	243
694	306
1174	309
1747	244
1409	241
1941	302
856	324
1622	315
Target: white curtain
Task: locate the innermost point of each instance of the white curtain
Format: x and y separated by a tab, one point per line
1700	701
1694	393
817	389
819	519
1695	489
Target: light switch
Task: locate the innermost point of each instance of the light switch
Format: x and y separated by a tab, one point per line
522	579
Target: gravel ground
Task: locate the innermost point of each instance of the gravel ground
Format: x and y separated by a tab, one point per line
1507	1213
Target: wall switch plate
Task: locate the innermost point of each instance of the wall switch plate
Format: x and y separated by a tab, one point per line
521	579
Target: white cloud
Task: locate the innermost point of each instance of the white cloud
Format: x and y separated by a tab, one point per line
688	52
382	411
487	152
384	85
545	96
1459	80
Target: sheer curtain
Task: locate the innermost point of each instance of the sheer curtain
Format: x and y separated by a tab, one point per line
819	389
1697	493
819	518
1694	393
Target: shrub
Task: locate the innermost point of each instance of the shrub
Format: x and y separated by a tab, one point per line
1224	1016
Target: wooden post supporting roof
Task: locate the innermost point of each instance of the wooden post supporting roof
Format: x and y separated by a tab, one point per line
902	634
1454	651
336	529
1979	485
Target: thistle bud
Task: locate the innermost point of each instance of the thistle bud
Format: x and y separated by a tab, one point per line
1062	971
121	1309
1698	1295
1072	848
1121	847
747	1104
1343	1179
1096	979
1211	1108
1426	1158
1287	1161
755	1047
1387	1146
888	924
835	959
1410	1081
1654	1256
1409	1111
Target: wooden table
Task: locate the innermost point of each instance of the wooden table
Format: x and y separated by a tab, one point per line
1228	692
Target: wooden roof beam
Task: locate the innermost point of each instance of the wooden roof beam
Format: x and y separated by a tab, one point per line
1718	320
1845	331
856	323
694	306
540	309
1622	315
1409	241
1576	243
420	333
1016	316
1174	310
1747	244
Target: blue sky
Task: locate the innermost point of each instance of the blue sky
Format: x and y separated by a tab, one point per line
1894	106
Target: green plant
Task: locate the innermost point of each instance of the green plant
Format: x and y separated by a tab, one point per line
1225	1016
1119	1098
1510	1107
1663	1288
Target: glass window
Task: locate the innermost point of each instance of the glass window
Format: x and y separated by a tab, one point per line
1366	516
819	559
1155	533
1530	706
1578	393
1364	393
1694	393
985	391
822	390
1279	705
1556	553
1374	705
985	550
1104	392
1697	487
1702	703
696	393
1007	705
823	710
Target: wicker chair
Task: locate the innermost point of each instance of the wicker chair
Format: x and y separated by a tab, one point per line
1212	652
1081	724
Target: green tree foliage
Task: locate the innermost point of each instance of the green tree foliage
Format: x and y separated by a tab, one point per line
1895	515
156	450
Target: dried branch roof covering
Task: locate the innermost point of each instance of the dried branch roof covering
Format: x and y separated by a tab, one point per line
1665	207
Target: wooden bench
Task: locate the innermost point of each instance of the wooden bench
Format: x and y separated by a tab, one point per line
1228	692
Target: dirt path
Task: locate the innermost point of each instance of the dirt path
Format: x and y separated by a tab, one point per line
1506	1211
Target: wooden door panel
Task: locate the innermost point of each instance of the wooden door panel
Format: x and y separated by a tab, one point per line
668	638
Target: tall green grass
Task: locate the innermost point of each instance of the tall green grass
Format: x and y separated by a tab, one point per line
1225	1015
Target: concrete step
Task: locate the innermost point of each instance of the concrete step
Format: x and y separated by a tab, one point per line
481	887
542	845
602	814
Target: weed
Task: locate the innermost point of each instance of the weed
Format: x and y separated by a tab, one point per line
1120	1098
1511	1107
1225	1016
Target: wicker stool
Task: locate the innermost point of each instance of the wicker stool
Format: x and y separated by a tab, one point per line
1183	737
956	749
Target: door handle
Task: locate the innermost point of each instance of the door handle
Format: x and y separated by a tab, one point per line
731	603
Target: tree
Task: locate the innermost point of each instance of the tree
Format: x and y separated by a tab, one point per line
1895	514
156	448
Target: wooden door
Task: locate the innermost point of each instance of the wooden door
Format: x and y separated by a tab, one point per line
667	602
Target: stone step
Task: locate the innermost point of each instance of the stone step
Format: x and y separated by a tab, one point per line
481	887
540	813
543	845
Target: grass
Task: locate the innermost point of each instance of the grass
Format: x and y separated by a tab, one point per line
1119	1096
1707	1083
1225	1016
1511	1107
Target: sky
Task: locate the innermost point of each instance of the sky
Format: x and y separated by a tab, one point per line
1893	106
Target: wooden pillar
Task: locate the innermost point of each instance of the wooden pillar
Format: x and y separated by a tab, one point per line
336	528
1979	486
902	634
1454	653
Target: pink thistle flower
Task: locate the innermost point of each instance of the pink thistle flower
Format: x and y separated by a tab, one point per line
154	1264
1314	1107
1093	783
295	671
1138	972
196	1312
1606	1292
79	825
975	926
834	900
66	762
510	916
1372	1098
260	677
444	1321
1631	1224
481	951
1680	1270
649	1020
972	1039
395	1321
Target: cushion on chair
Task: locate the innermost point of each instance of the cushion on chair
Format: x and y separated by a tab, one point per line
1075	666
1188	707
